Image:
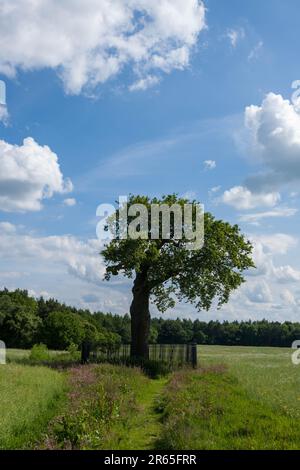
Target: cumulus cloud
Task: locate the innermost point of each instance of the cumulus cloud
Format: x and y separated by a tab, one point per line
286	274
269	283
277	243
274	129
266	249
29	174
242	198
259	292
273	138
288	297
89	42
81	258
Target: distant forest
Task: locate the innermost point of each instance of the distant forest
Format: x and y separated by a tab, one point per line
25	321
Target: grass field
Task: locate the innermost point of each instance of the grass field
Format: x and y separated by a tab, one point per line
266	373
30	397
240	398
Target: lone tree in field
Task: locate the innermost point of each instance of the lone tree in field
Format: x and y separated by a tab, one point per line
165	268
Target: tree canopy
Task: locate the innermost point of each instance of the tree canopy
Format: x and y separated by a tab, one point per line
198	277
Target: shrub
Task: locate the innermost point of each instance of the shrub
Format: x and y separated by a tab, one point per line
73	352
39	353
153	369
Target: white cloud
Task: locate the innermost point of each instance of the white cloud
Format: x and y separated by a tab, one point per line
276	212
277	243
264	284
286	274
145	83
88	42
235	36
273	138
265	249
70	202
7	227
209	164
274	129
288	297
242	198
259	292
81	258
29	174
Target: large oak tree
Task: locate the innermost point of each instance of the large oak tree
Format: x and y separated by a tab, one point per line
165	270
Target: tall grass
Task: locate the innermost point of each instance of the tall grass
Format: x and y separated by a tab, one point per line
29	398
209	409
101	402
266	373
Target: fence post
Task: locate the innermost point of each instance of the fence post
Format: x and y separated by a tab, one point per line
85	352
194	355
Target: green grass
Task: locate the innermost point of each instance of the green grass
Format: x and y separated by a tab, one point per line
102	400
14	355
266	373
23	356
143	428
253	402
30	397
210	409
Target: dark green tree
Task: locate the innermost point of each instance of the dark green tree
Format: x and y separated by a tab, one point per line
60	330
164	269
19	321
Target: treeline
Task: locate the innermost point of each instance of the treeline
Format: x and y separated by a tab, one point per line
25	321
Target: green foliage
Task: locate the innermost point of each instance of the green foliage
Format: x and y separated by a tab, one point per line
197	276
61	330
39	353
73	351
25	321
19	321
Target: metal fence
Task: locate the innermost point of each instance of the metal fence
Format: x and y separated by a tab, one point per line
173	354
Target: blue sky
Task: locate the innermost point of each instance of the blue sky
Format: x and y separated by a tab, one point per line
148	99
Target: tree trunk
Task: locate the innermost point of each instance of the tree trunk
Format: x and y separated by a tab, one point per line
140	318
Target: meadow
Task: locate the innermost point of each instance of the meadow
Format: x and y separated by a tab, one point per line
238	398
267	374
29	398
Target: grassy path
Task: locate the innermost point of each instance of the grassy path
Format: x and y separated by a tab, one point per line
144	428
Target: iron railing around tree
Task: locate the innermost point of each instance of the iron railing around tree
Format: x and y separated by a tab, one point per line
172	354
